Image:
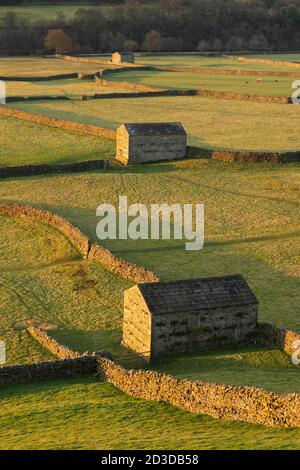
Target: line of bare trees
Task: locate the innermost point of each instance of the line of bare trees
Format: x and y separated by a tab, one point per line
177	25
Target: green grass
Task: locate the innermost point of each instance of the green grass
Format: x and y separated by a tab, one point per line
194	60
40	66
290	57
25	143
47	12
44	279
69	87
269	86
83	413
266	368
209	123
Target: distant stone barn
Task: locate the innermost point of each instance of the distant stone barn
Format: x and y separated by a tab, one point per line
162	319
141	143
124	56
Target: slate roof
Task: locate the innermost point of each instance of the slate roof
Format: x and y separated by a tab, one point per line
157	129
197	294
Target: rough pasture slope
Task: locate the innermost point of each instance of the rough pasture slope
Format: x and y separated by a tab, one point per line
252	228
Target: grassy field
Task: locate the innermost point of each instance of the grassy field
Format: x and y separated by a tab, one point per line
83	413
69	87
252	227
25	143
44	279
194	60
40	66
269	86
281	57
209	123
48	12
260	367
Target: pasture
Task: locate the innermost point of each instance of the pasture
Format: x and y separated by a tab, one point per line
252	227
268	86
24	143
210	123
113	421
69	88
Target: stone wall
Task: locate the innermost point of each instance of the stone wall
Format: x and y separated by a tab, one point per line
121	266
26	373
219	71
57	349
268	334
62	76
76	237
224	95
92	252
29	170
228	402
249	60
60	123
256	157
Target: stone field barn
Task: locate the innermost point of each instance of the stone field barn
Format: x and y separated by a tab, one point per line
161	319
124	56
141	143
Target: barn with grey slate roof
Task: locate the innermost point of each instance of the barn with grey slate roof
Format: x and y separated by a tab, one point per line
161	319
122	56
140	143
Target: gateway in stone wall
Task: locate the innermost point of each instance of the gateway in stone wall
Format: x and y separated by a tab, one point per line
162	319
141	143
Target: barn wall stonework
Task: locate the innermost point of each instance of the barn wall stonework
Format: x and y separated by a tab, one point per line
133	149
136	324
188	332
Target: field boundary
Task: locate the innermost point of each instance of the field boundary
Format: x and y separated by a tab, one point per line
44	169
224	71
88	129
252	60
233	403
239	156
87	249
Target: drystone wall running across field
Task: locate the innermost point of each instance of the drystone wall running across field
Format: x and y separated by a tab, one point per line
57	369
226	95
228	402
219	71
29	170
81	242
249	60
270	335
256	157
35	78
60	123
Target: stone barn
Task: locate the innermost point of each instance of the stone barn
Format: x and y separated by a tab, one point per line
124	56
141	143
161	319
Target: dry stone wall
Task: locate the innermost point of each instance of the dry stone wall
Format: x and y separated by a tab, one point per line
58	369
239	72
81	242
256	157
29	170
120	266
249	60
219	401
60	123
